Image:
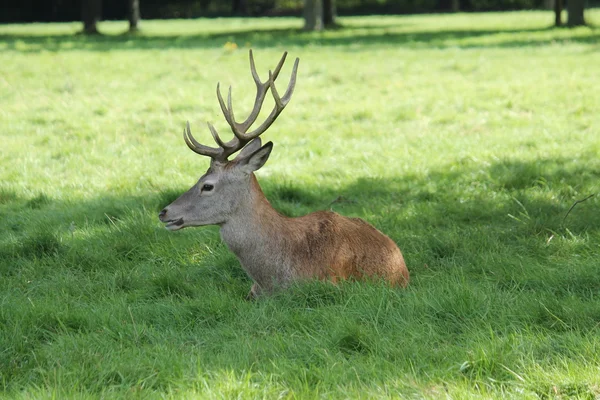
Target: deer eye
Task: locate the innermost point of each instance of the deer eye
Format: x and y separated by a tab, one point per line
207	187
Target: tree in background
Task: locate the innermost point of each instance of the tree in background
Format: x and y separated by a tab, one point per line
134	15
91	13
329	13
313	15
239	7
558	6
575	11
319	14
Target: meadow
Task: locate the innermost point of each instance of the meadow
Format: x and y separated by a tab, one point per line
472	140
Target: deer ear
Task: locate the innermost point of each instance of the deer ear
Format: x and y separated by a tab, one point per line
257	159
249	149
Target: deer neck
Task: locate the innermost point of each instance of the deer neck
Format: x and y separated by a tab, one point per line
254	233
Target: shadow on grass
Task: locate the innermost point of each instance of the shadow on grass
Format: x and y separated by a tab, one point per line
478	241
446	215
356	35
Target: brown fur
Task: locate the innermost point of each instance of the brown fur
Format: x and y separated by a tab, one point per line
326	245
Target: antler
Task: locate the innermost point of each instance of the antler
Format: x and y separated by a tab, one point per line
240	129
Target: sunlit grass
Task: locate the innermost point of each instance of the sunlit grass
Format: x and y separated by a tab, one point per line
466	138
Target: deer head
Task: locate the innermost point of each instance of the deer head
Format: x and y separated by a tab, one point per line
226	186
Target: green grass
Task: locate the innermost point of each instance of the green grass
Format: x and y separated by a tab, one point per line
466	138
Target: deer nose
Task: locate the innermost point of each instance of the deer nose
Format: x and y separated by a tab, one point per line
162	214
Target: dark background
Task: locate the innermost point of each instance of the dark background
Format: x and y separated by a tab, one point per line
70	10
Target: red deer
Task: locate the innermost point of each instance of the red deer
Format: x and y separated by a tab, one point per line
273	249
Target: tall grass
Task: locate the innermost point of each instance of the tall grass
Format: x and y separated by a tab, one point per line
468	139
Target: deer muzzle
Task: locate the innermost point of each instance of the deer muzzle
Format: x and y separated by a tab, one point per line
171	224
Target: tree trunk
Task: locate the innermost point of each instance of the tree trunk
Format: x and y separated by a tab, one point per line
329	12
455	4
204	4
239	7
313	15
134	15
575	9
558	6
91	13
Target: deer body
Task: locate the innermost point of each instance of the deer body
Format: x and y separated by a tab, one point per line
276	250
273	249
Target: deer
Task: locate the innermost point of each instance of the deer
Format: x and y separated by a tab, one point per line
275	250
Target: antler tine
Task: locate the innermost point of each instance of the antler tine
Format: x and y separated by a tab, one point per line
224	109
279	65
198	148
215	135
261	91
228	148
280	102
292	85
283	101
230	108
253	69
239	129
275	73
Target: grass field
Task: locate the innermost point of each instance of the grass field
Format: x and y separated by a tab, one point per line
466	138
